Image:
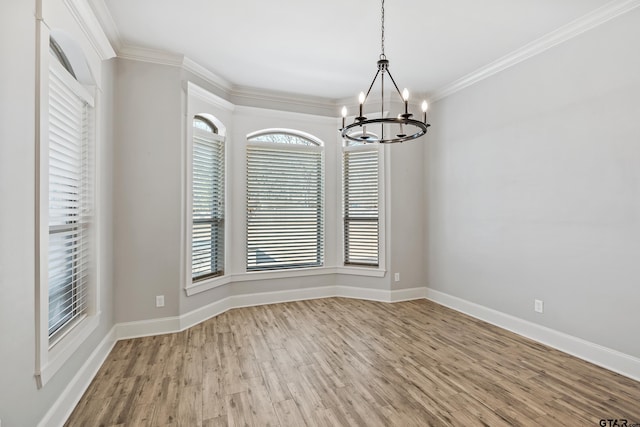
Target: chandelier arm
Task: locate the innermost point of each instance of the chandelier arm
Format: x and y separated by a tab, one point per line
394	83
370	86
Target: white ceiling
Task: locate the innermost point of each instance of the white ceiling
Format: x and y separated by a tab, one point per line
329	48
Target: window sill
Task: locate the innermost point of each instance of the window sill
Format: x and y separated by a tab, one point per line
215	282
362	271
65	348
282	274
205	285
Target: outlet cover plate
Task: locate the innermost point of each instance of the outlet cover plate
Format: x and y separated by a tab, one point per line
159	300
538	306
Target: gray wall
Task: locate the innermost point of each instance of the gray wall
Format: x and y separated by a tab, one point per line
147	207
21	403
406	210
149	131
533	188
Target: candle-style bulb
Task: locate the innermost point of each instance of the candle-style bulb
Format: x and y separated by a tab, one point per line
405	96
361	100
424	111
344	115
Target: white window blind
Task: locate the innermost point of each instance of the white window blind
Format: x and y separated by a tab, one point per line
285	192
361	213
207	243
70	207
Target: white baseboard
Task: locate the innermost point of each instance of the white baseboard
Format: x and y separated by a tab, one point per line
613	360
362	293
262	298
408	294
201	314
145	328
169	325
58	413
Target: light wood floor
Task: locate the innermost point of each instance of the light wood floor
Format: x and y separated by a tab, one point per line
337	361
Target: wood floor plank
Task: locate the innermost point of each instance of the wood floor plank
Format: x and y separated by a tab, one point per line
263	410
289	414
214	394
239	409
341	362
216	422
307	399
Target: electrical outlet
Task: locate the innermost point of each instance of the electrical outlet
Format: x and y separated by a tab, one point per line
159	300
396	277
538	306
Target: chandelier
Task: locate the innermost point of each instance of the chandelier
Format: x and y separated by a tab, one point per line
403	127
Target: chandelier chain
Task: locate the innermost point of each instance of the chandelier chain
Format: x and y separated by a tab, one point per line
382	56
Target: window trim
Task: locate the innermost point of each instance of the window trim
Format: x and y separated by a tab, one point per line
357	269
346	219
201	102
52	354
213	134
61	56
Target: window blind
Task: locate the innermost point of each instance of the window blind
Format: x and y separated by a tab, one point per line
361	228
284	207
207	244
70	201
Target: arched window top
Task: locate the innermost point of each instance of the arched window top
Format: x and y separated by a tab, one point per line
70	55
285	136
59	54
202	123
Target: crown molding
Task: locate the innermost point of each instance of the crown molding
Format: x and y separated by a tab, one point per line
102	13
208	97
204	73
90	25
239	95
281	113
585	23
242	95
154	56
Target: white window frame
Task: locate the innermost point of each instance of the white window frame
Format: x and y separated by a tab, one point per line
219	140
363	270
318	146
201	102
51	356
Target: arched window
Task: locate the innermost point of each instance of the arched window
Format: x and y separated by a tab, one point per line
285	200
69	203
58	53
207	197
204	124
283	137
